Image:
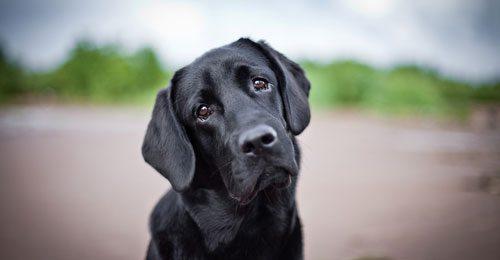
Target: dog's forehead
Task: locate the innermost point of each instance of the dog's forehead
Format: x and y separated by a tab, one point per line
231	51
226	59
217	67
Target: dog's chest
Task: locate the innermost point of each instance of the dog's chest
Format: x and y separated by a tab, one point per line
229	231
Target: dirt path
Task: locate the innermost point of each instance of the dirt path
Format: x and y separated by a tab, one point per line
73	185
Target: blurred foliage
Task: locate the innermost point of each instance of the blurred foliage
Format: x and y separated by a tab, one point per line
106	74
13	79
91	73
400	90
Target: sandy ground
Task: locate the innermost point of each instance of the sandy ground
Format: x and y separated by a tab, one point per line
73	185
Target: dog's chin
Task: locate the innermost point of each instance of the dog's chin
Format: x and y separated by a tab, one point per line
246	198
271	178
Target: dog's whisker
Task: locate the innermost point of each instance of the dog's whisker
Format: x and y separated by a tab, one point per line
221	168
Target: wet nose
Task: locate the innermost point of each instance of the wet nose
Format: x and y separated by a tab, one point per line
258	140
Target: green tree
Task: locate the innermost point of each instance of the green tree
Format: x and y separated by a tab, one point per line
106	74
13	81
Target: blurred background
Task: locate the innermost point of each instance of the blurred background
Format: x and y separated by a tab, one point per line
401	160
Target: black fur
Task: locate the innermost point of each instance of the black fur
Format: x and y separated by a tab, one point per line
233	172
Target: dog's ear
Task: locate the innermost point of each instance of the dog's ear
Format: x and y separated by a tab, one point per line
294	88
166	146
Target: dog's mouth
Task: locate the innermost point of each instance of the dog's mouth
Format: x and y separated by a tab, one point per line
266	180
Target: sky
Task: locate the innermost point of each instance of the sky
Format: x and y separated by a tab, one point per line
458	38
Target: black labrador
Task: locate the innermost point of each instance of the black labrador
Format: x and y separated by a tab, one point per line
223	134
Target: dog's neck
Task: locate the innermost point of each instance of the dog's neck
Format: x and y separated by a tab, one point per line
220	218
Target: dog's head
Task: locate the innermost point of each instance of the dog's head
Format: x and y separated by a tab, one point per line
232	113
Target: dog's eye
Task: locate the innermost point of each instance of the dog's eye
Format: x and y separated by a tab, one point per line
203	112
260	84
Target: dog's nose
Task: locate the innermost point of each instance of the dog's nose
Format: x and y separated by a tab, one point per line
257	140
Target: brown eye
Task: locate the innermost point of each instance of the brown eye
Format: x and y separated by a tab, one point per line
259	84
203	112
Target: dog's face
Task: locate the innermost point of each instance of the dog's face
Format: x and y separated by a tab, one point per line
233	113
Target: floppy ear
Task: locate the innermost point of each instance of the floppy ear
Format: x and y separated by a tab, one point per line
294	88
166	146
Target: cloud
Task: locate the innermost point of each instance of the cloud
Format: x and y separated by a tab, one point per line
458	37
372	7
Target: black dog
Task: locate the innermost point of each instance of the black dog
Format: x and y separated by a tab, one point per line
223	135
